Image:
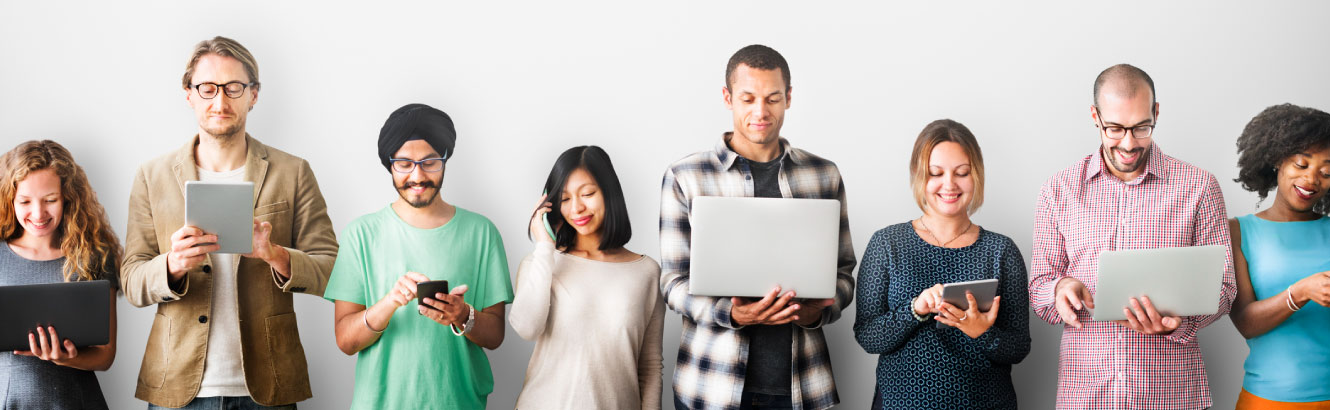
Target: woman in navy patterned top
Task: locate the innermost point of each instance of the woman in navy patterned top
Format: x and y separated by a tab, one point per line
965	364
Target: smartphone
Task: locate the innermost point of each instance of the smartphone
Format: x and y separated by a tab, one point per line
546	219
428	289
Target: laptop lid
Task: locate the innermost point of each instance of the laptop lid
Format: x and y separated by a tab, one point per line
79	311
1181	281
748	246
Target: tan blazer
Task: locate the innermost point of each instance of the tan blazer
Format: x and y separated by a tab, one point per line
287	196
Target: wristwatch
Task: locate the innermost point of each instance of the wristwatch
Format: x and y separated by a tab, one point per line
470	320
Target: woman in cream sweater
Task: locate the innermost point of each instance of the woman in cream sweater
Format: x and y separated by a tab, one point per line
593	308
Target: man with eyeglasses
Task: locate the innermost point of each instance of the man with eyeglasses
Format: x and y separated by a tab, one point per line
225	334
432	358
1129	195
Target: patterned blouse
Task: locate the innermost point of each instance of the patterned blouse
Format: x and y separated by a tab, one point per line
921	366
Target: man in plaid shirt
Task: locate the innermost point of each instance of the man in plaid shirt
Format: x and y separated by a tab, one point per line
1129	195
739	353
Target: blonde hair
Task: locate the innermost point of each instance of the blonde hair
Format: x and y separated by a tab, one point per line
938	132
91	248
224	47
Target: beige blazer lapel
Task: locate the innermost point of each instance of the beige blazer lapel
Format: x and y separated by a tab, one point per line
256	165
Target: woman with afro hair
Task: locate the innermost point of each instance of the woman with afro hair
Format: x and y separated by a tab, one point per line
1282	255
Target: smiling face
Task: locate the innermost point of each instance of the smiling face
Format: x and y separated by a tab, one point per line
1118	107
38	204
757	100
583	204
418	188
1303	179
950	185
221	116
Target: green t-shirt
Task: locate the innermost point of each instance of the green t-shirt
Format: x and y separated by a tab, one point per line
418	363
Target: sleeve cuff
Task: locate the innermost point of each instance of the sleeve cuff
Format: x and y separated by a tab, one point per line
301	268
723	306
821	321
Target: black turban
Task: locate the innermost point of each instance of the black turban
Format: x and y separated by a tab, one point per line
416	122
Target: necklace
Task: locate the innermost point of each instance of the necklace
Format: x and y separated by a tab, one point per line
935	238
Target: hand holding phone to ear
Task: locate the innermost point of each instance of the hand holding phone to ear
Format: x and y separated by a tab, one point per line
540	225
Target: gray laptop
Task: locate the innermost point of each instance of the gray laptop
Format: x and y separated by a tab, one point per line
79	311
747	246
225	209
1182	281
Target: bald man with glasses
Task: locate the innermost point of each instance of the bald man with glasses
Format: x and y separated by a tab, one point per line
225	334
1128	195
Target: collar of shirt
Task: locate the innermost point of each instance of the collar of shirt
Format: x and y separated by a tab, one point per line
726	157
1154	165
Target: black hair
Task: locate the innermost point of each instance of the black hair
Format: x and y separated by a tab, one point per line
1130	75
1274	135
616	230
760	57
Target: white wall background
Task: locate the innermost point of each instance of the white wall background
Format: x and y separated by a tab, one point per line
525	81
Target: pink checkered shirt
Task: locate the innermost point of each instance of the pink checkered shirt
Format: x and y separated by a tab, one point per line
1083	210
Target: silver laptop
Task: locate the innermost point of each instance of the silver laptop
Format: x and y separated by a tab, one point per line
225	209
748	246
1182	281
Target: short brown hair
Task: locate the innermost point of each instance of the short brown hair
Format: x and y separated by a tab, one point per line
224	47
938	132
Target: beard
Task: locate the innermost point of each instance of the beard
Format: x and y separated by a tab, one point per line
431	193
226	132
1142	156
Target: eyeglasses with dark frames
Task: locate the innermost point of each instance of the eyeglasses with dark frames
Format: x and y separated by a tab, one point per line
407	166
1117	132
233	89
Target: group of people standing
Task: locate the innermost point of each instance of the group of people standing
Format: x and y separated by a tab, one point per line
225	334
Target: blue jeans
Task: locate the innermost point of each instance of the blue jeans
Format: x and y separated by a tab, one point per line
753	401
225	403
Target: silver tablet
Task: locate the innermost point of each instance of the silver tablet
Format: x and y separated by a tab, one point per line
748	246
984	291
1181	281
225	209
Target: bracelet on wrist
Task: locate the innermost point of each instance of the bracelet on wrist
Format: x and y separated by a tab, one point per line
365	319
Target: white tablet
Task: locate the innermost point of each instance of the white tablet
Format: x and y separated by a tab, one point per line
225	209
1181	281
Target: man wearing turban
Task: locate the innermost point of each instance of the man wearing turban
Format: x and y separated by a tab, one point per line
431	359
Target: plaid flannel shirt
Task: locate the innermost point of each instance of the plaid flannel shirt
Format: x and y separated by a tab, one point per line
1084	210
713	352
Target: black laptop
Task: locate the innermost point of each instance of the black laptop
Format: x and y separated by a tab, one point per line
78	310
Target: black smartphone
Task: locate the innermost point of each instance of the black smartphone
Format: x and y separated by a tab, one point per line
428	289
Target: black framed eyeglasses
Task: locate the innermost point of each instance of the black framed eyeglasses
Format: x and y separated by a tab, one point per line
1117	132
407	166
233	89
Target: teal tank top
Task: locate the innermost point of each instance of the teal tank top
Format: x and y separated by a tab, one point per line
1291	363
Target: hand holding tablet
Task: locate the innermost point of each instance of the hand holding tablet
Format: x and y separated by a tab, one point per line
224	210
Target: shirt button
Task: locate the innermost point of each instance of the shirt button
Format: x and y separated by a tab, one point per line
207	268
203	319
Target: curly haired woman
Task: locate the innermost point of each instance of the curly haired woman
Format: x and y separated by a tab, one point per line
1282	255
52	229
